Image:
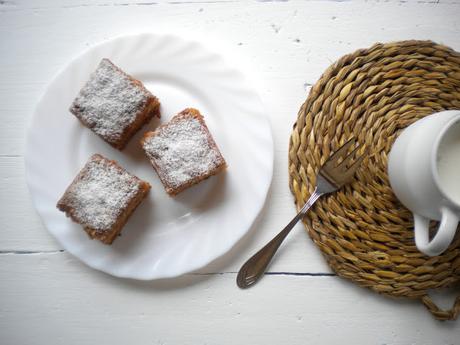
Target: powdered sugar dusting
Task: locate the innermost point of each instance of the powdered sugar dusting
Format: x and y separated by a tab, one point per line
182	150
109	102
101	194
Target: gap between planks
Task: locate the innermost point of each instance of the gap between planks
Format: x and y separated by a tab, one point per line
275	273
301	274
30	252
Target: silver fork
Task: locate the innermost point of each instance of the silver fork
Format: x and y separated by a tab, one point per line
333	175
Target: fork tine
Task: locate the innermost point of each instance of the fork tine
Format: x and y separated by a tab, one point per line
352	169
347	159
340	152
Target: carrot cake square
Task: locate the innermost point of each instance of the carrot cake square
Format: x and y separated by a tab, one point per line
102	197
183	152
114	105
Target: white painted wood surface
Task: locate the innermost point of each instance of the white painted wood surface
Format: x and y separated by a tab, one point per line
48	297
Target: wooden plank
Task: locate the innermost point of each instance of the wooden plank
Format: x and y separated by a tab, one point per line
51	298
47	4
280	45
22	229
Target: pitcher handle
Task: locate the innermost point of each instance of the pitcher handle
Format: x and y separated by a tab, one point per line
442	238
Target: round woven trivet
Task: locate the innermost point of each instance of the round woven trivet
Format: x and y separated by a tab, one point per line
363	231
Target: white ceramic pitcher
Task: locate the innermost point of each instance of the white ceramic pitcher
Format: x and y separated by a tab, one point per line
413	168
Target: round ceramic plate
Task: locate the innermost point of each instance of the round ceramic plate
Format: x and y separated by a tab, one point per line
165	236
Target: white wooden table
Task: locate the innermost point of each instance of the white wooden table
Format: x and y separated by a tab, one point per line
48	297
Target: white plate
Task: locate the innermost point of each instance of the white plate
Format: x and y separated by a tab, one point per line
165	237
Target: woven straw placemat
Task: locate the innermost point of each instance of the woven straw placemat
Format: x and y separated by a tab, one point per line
363	231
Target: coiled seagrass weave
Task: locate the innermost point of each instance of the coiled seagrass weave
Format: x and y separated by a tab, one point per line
363	231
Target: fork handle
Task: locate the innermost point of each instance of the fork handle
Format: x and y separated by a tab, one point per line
254	268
